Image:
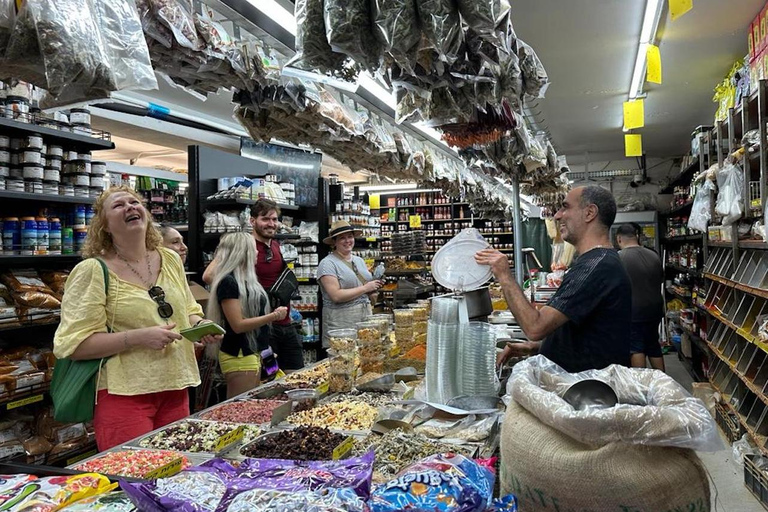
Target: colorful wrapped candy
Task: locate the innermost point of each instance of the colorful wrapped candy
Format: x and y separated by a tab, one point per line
439	483
132	463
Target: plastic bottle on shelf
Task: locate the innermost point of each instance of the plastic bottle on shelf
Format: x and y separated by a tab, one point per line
42	235
54	236
67	240
28	235
11	235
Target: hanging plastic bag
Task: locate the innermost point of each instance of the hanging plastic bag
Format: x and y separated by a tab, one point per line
312	48
7	17
535	79
481	15
348	30
730	183
440	25
177	16
701	209
395	24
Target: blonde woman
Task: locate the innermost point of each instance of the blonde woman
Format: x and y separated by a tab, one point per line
239	304
133	323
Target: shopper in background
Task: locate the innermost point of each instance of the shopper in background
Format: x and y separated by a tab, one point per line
284	339
173	240
132	322
646	274
584	324
345	281
241	307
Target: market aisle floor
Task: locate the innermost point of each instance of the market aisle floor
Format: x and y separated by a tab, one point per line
732	495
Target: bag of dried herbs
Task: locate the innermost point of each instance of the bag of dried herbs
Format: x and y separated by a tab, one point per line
7	17
312	49
176	15
440	26
535	79
127	49
23	57
481	15
153	29
72	46
348	29
396	24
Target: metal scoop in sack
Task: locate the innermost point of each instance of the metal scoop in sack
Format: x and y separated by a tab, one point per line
591	394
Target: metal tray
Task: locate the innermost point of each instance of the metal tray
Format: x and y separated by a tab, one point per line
356	436
195	459
136	443
278	414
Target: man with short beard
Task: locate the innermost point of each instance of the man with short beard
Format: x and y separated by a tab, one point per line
284	339
585	325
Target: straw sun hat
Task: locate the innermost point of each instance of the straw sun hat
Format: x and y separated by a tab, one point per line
338	228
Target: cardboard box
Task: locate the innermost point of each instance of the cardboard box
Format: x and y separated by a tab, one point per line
200	294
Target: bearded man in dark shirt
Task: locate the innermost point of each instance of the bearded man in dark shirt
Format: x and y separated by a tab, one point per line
585	325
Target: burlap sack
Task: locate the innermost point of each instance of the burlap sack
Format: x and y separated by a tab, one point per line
550	471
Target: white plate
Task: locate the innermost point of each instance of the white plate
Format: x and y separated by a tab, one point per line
455	268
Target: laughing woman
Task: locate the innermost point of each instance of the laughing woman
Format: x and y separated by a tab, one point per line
133	321
345	281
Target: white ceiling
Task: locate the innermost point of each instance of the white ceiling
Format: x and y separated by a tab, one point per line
588	48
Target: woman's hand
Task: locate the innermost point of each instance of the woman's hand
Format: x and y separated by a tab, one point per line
372	286
279	313
157	338
209	338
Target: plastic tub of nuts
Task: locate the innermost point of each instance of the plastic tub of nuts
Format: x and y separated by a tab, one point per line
340	382
372	364
369	333
420	312
342	340
404	317
385	320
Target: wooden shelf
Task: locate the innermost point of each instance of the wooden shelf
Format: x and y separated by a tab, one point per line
718	243
753	244
757	292
25	260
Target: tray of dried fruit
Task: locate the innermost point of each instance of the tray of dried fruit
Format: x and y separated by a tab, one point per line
341	416
194	437
300	443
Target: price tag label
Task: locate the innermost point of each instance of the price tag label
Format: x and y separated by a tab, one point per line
374	201
230	438
24	401
755	203
169	469
344	447
408	395
323	388
414	221
291	265
373	238
394	352
302	279
82	456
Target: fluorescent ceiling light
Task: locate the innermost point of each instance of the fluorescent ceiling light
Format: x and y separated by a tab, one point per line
277	13
653	9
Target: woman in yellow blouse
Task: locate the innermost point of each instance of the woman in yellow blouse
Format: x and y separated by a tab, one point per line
134	325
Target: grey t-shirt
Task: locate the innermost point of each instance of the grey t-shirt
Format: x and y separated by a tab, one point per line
647	275
332	265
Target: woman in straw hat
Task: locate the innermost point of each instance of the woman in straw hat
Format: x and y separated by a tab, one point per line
345	281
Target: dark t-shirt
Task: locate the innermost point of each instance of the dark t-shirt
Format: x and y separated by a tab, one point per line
597	299
269	271
646	274
233	342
